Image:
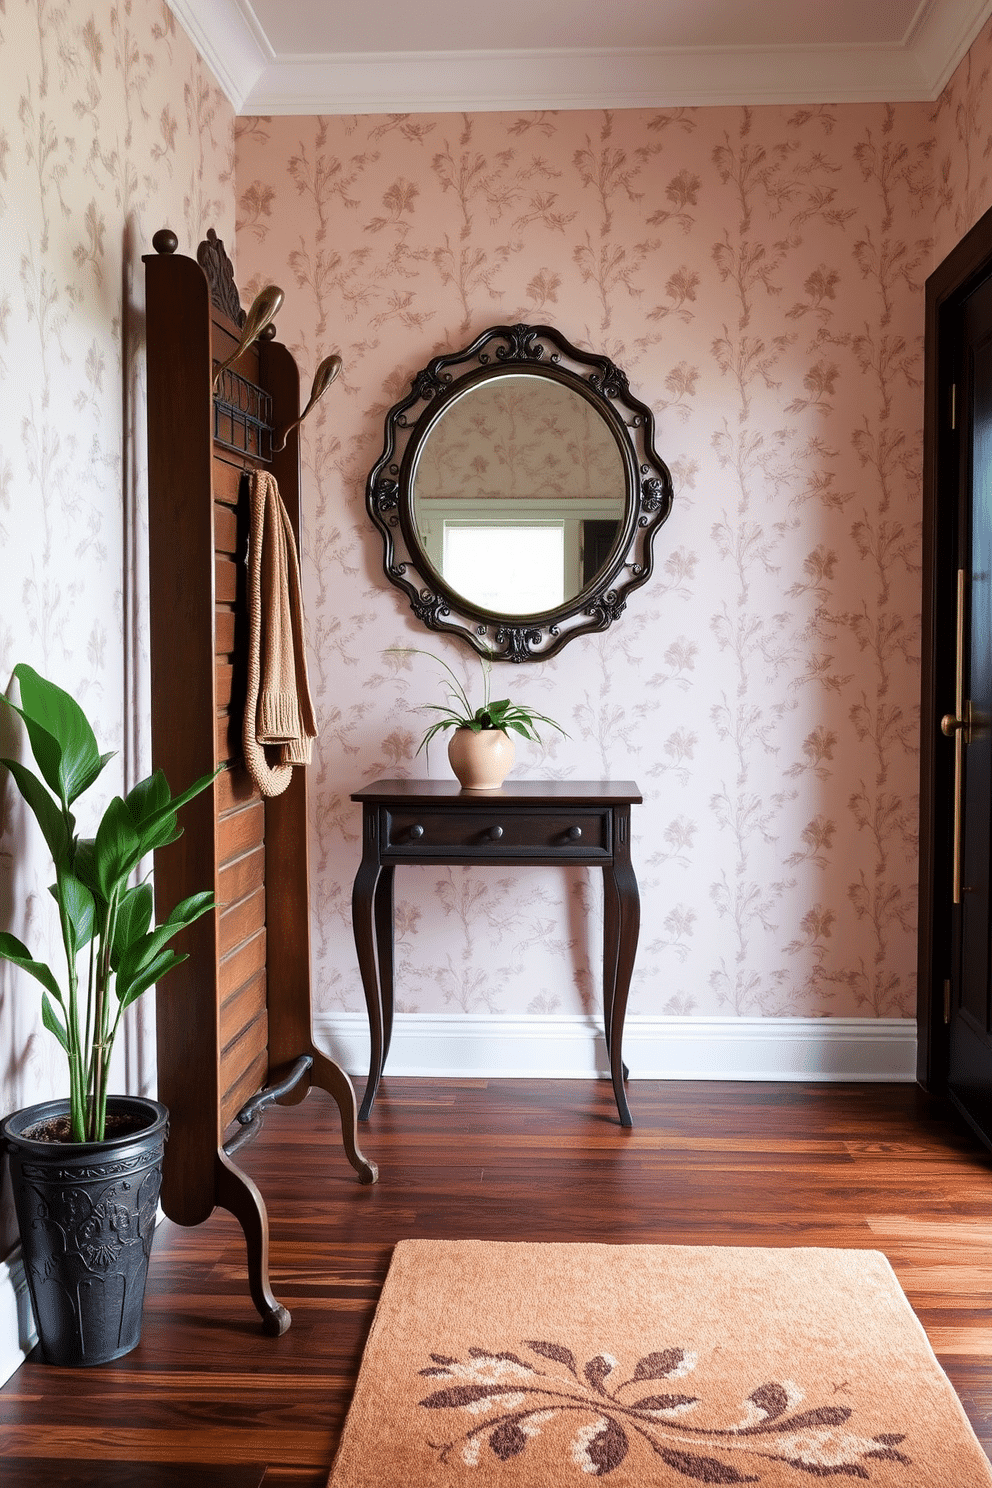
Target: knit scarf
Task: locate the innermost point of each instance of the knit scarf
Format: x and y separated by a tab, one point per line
278	709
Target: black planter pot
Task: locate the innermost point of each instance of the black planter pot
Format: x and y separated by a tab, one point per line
86	1212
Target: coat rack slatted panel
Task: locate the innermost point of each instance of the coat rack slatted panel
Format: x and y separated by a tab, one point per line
234	1027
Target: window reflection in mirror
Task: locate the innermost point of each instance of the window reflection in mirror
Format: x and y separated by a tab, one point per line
519	494
512	570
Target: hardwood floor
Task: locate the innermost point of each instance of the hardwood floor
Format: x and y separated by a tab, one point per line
208	1400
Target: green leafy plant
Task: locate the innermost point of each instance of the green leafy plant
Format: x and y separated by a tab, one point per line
458	713
100	913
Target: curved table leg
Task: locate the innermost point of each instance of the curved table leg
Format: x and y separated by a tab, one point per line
624	887
611	954
332	1078
362	917
384	946
238	1194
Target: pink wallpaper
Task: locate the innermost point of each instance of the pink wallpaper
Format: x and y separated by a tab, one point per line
961	125
758	274
111	127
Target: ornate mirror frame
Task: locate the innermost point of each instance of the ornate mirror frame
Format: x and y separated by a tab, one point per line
498	352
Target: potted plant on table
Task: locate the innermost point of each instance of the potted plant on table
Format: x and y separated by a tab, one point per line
86	1171
480	750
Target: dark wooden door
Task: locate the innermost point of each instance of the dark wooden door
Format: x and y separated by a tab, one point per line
955	960
969	1071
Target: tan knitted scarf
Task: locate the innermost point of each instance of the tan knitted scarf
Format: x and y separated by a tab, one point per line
278	709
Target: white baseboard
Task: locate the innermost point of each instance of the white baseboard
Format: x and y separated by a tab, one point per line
18	1335
571	1047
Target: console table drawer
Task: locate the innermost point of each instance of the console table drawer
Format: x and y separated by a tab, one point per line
423	833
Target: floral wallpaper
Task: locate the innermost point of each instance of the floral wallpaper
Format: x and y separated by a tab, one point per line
112	128
758	274
520	439
962	127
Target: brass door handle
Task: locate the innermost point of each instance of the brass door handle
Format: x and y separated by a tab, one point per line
957	726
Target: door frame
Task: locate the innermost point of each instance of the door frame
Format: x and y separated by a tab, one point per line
967	265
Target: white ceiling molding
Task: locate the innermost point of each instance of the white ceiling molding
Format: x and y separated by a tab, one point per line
230	40
943	36
441	82
259	81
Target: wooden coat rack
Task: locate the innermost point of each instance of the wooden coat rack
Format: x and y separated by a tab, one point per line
234	1022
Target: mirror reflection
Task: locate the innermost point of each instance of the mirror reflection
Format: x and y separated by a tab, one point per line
519	494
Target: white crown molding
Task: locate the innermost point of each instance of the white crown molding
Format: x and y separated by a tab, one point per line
446	82
941	36
229	39
257	81
571	1047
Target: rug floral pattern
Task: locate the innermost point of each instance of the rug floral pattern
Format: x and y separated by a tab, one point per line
509	1401
520	1364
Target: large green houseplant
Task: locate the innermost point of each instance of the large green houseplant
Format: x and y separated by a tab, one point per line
113	954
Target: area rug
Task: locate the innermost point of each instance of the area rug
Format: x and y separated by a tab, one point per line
490	1365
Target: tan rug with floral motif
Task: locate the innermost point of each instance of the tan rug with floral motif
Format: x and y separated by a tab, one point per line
494	1365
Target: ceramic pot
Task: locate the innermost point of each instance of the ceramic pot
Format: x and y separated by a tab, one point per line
87	1212
481	758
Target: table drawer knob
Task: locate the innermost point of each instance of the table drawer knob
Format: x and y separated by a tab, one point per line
416	832
495	833
575	833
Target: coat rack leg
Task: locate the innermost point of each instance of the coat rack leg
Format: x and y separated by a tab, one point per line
237	1193
332	1078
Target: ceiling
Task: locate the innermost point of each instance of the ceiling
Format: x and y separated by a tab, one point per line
394	56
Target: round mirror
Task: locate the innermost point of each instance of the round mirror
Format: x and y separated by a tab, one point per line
518	493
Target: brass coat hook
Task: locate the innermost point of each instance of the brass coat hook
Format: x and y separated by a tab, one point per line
264	309
322	379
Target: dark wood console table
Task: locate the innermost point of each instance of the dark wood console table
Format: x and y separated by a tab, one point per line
542	822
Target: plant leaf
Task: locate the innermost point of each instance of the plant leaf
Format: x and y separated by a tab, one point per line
13	950
53	1022
129	991
57	723
158	832
194	790
147	797
188	910
116	848
80	909
153	825
46	810
134	915
84	866
142	952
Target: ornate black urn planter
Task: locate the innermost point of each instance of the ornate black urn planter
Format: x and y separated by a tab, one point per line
86	1212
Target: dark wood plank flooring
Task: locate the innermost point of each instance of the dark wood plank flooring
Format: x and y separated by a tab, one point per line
207	1399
